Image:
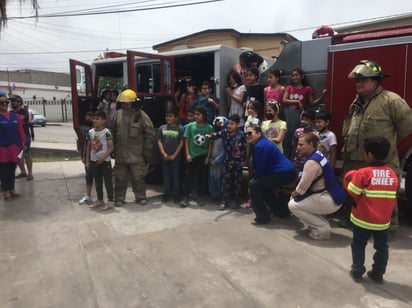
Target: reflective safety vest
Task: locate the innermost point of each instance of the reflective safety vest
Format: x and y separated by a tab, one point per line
334	188
9	131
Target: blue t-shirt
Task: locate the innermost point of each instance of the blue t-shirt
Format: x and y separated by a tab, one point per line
202	101
268	159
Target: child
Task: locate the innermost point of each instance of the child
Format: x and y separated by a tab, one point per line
216	161
87	125
298	96
170	143
327	137
236	95
274	128
253	110
206	100
253	119
185	103
306	121
234	144
100	146
274	91
254	91
105	101
374	190
198	150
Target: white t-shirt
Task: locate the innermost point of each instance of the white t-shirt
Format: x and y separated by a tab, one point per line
327	139
98	143
235	106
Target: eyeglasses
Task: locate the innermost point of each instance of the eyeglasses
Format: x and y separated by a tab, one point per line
4	102
248	134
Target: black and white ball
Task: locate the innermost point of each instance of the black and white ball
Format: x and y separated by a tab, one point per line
199	139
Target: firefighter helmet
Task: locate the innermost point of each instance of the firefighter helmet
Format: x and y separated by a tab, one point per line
128	96
367	69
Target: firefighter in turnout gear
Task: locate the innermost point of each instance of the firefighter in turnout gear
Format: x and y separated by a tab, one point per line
374	112
133	137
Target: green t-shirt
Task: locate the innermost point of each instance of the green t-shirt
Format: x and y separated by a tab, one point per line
198	144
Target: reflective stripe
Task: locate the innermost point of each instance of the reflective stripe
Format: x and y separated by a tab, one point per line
355	189
380	194
367	225
385	194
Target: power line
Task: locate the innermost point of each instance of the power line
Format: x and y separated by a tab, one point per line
80	13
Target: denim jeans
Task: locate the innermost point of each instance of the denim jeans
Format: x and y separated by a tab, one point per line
171	178
359	242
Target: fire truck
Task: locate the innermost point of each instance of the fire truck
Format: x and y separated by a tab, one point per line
326	62
157	78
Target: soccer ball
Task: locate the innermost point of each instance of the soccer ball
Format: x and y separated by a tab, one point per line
199	139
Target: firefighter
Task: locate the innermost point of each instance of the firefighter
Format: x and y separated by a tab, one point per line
374	112
133	137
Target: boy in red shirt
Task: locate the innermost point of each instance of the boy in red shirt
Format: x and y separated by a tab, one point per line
374	190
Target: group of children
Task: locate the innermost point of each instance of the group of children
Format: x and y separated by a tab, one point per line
207	154
213	157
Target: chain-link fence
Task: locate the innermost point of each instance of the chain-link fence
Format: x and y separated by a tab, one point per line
57	110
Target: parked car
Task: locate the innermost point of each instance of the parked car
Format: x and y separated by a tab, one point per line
39	119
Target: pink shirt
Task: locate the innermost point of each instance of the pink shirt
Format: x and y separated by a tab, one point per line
274	94
301	94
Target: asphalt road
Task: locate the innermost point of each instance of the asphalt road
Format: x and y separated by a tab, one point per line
55	133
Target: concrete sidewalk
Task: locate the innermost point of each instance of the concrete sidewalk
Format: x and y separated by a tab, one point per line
56	253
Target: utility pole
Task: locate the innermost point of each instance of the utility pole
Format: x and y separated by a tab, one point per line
8	83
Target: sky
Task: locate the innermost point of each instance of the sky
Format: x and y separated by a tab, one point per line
49	42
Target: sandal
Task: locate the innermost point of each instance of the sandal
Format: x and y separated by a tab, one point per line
7	195
257	222
13	194
21	175
96	204
107	207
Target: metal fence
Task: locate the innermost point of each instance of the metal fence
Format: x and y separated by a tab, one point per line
57	110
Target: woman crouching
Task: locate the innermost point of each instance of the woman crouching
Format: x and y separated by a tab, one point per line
312	198
271	169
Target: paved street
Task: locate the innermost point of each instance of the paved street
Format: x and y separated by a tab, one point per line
56	253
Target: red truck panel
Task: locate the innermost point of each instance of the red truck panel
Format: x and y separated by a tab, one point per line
396	60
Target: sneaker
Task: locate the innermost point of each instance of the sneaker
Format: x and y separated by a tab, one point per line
119	203
222	207
85	200
184	202
235	206
141	201
200	201
355	276
375	276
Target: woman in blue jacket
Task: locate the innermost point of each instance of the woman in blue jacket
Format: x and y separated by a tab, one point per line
271	169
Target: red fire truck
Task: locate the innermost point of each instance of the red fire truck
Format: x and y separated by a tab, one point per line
328	60
157	78
325	60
